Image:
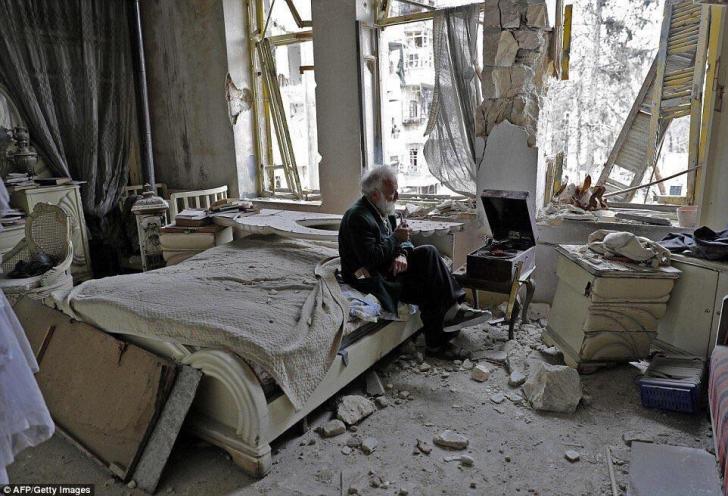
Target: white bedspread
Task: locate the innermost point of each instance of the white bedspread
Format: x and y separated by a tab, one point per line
258	297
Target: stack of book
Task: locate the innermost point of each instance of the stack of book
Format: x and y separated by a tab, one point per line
16	181
52	181
12	217
231	204
193	217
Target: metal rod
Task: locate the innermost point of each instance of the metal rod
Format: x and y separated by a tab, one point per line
141	81
612	480
635	188
267	20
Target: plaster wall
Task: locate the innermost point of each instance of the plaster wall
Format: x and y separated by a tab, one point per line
190	46
338	105
714	212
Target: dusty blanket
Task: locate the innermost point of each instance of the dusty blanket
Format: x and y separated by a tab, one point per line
258	297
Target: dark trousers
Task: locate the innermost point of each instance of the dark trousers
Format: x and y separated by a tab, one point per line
429	284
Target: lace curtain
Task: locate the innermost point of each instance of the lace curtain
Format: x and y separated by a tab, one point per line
451	150
68	66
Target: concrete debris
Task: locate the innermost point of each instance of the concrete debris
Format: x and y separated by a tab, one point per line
404	394
132	484
374	386
507	50
553	388
515	398
538	311
353	409
572	456
346	450
353	442
516	357
480	373
465	460
333	428
381	402
425	367
498	398
451	440
457	363
497	357
537	16
630	436
516	379
424	447
467	364
369	445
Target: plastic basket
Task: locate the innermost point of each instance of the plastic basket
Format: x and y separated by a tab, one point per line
669	395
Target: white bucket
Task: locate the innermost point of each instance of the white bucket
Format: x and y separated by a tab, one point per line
687	216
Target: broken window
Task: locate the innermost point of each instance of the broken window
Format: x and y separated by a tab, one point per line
617	56
285	107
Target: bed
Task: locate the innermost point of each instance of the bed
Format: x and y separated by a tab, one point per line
248	396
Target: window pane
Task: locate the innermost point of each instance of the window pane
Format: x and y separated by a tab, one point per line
402	8
282	21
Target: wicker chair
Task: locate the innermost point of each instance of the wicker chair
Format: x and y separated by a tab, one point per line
47	230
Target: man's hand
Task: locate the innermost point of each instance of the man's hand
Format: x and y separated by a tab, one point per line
402	233
399	265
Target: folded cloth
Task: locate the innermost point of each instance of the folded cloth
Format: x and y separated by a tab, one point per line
703	243
628	245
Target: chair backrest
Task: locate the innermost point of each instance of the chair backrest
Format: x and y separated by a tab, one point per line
137	189
195	199
48	230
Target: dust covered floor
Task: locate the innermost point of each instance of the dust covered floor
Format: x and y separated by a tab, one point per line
515	449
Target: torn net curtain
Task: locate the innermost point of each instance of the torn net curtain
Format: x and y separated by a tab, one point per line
451	151
67	65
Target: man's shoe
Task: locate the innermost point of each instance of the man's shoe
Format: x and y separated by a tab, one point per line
466	317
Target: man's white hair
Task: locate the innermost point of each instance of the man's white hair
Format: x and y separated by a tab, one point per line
375	178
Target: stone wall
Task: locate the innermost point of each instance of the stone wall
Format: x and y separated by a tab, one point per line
516	58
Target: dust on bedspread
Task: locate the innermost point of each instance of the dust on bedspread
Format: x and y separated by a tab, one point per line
258	297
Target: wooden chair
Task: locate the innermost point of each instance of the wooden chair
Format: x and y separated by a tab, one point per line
195	199
47	230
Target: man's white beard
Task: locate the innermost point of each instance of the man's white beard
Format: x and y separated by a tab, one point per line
386	207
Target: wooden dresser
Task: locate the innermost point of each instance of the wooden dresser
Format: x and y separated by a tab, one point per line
68	197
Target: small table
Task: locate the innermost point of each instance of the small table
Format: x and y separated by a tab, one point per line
519	280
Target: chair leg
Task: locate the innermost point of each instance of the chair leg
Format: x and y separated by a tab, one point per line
530	291
514	317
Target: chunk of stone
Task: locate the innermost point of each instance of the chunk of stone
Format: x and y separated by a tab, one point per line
516	398
382	401
507	49
467	364
353	442
425	367
369	444
516	379
510	13
502	81
374	386
572	456
537	15
498	398
529	40
465	460
424	447
491	14
538	310
480	373
486	79
521	81
630	436
346	450
493	356
553	388
333	428
516	356
353	409
491	41
404	394
451	440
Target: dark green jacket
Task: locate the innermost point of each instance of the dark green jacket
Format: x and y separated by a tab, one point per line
366	241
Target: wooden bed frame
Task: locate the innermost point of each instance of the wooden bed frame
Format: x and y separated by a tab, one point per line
231	410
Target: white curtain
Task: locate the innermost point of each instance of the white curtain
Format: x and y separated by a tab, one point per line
451	151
